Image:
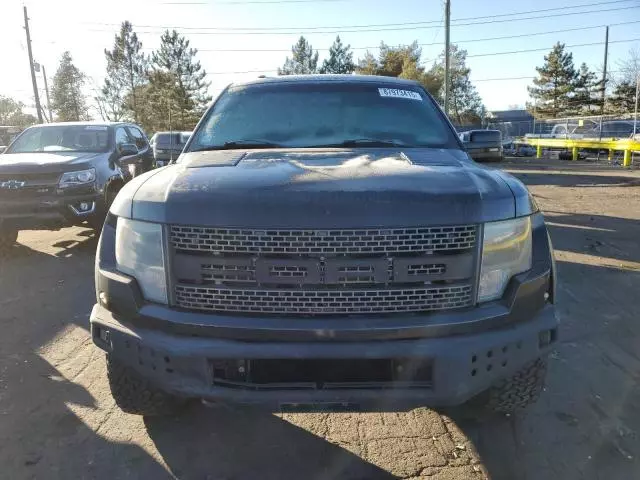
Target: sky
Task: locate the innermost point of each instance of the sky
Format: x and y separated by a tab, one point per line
497	64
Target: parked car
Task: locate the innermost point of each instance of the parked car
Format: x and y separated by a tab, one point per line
167	146
567	155
573	129
483	145
612	129
355	258
518	150
61	174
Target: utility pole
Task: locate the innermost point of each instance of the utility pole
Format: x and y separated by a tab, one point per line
604	70
33	73
635	113
46	89
604	82
447	22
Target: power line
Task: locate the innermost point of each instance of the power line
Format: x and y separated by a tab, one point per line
499	79
360	28
548	48
485	39
403	24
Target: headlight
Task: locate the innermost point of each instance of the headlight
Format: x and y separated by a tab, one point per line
81	177
140	253
506	251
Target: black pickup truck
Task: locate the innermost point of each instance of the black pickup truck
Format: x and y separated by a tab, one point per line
62	174
325	242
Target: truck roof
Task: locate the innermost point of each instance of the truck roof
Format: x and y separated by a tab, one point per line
330	78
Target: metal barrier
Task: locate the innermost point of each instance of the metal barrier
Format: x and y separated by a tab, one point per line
626	145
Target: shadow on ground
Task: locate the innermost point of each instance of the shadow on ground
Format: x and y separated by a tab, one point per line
586	425
244	443
41	295
598	235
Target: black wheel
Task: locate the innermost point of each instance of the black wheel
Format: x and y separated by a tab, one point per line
520	390
96	221
7	241
134	394
508	396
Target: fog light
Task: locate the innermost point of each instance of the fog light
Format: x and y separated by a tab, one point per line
84	206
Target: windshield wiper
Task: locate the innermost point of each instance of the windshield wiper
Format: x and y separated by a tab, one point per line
366	142
240	144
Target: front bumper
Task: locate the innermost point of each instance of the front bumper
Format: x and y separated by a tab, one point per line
51	211
462	365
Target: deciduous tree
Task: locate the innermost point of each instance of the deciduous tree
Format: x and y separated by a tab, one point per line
12	113
465	104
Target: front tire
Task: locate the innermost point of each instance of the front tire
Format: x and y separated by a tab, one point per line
518	391
134	394
8	239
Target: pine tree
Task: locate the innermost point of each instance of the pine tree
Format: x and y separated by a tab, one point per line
304	60
67	100
586	96
340	59
623	98
552	90
465	104
126	71
178	80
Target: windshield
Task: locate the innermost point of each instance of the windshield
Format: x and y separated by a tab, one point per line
167	139
486	136
62	138
323	114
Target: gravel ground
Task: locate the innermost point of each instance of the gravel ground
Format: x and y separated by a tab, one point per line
57	418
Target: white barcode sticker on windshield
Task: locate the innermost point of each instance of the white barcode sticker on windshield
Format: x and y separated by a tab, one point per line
395	93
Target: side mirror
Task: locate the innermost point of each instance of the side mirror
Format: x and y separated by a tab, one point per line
127	149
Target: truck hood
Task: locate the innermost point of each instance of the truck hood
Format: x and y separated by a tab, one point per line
47	162
320	189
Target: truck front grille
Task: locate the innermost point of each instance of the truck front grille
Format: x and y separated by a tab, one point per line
322	302
333	272
309	242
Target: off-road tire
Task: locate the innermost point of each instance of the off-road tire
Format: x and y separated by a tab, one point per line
8	239
520	390
134	394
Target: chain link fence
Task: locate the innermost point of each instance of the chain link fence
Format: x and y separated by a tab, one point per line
596	126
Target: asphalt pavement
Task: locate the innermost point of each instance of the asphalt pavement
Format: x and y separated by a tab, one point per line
58	420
